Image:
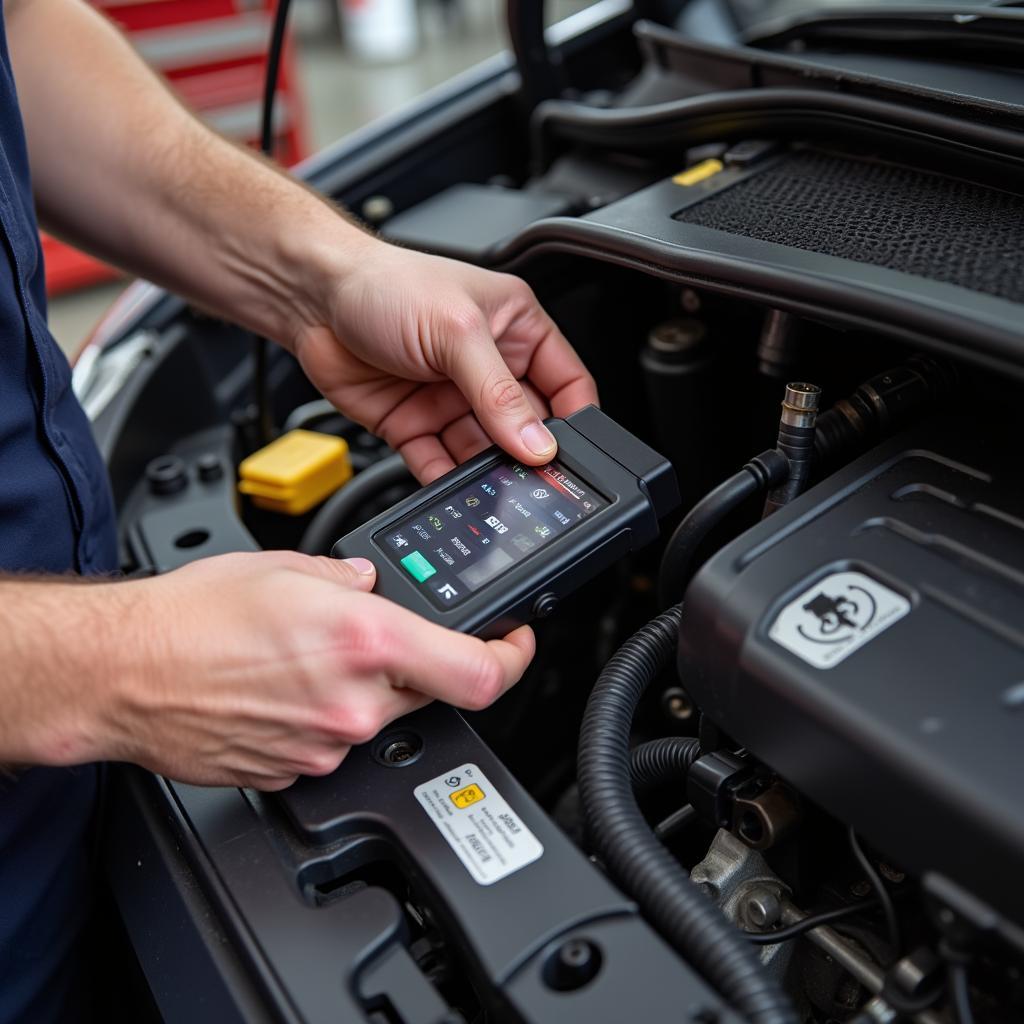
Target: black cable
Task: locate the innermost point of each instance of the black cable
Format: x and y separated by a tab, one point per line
274	52
891	923
328	524
261	347
304	416
637	860
758	475
809	923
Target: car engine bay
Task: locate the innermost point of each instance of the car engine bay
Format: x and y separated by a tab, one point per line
771	762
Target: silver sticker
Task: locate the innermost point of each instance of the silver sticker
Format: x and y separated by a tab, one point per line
488	837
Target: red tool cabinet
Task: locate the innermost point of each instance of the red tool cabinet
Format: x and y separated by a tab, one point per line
213	52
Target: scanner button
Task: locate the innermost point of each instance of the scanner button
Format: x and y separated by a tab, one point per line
418	567
544	606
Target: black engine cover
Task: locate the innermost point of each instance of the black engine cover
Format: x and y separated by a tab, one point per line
867	642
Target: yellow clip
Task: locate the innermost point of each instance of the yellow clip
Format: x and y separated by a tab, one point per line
295	472
698	172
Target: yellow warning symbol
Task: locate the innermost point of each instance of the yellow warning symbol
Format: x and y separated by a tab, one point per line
467	795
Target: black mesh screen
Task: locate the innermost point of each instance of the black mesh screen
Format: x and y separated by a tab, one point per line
896	217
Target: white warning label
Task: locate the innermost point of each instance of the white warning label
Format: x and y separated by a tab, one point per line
488	837
836	617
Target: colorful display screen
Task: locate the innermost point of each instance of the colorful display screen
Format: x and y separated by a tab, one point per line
483	527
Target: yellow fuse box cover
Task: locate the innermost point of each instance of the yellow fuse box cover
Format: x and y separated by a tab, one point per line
295	472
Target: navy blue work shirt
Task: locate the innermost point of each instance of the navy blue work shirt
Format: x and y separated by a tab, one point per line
56	516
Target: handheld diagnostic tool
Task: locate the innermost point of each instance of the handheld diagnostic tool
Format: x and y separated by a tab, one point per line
495	544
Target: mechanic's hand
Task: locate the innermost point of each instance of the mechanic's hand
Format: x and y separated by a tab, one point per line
441	359
256	668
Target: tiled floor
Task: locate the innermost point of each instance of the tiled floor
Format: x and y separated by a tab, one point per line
343	94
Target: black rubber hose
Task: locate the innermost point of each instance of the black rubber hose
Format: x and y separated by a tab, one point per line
540	67
274	52
328	524
760	473
260	345
662	760
796	442
881	405
635	858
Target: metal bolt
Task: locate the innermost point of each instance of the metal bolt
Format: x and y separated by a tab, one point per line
763	908
677	704
209	467
398	752
574	964
576	954
166	474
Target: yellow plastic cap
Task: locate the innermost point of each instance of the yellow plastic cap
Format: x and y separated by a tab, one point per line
295	472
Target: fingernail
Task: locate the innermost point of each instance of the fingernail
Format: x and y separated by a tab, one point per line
363	566
538	438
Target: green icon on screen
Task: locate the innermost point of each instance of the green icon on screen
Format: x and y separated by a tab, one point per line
418	567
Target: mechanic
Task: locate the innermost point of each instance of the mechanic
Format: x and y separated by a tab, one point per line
244	669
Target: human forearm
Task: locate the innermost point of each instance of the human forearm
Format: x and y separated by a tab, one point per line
121	167
245	669
57	650
437	357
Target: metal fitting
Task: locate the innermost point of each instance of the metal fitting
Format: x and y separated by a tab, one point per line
800	404
850	956
796	441
764	818
737	878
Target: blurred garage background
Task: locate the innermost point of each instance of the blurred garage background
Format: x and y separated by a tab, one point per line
350	62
